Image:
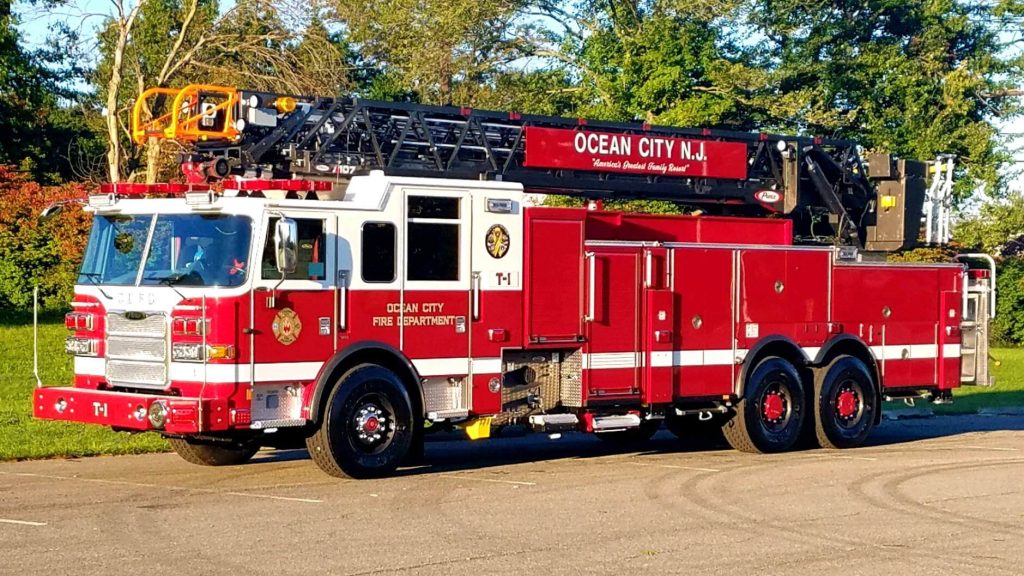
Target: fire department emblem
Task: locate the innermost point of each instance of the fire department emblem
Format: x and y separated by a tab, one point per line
287	326
497	241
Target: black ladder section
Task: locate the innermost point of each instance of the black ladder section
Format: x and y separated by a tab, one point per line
823	185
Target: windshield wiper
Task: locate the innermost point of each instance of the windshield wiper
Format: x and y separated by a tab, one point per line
91	277
171	279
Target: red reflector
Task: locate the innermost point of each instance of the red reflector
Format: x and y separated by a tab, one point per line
241	416
182	414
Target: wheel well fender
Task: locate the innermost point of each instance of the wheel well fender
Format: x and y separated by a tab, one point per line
775	345
367	352
850	345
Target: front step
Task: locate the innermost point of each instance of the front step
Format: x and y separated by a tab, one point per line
554	422
615	423
597	424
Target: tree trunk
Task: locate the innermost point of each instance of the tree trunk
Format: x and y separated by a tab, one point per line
152	160
114	89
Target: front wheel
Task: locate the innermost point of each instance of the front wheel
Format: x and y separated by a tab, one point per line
368	425
846	403
213	453
771	413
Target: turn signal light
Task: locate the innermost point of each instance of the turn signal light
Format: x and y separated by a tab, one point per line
193	352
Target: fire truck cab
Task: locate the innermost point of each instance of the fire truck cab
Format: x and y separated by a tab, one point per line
355	313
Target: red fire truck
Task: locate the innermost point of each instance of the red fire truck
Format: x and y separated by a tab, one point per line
353	274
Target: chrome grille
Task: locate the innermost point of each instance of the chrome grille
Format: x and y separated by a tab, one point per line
137	349
137	373
120	347
154	325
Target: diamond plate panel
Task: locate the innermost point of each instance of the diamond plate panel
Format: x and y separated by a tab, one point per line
149	374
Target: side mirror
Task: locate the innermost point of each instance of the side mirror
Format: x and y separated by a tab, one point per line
50	212
286	245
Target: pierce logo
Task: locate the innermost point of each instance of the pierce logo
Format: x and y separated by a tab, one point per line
767	196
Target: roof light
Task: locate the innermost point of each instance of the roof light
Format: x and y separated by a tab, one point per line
102	200
204	198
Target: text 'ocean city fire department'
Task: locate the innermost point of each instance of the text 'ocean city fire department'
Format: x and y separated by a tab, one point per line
352	274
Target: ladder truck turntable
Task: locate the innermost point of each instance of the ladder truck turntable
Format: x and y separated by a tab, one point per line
352	274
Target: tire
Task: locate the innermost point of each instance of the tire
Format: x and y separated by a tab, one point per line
690	429
213	453
368	425
646	431
770	415
846	399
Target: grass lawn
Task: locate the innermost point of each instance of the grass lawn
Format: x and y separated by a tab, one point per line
21	436
1008	390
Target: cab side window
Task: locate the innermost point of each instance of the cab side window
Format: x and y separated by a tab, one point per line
312	261
432	241
378	252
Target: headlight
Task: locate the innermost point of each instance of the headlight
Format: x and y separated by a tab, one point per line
80	346
187	352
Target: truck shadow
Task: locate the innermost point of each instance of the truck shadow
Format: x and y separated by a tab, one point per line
449	452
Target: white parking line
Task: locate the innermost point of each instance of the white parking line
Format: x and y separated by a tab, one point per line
21	522
494	480
675	467
862	458
163	486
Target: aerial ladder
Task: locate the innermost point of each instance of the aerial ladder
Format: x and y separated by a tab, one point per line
832	192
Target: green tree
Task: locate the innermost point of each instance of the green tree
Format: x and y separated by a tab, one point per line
664	62
437	52
913	77
38	120
172	43
998	228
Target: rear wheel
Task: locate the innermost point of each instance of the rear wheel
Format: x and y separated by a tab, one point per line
771	413
368	425
208	453
846	400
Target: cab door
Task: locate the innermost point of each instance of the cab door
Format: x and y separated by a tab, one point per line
295	316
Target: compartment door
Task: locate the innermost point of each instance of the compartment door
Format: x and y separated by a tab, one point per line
613	355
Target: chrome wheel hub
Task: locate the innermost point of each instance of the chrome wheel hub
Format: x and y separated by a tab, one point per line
371	424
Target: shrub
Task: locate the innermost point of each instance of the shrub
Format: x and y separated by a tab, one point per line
33	253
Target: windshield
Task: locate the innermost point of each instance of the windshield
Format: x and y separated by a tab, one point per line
184	249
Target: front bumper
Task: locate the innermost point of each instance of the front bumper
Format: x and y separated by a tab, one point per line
121	410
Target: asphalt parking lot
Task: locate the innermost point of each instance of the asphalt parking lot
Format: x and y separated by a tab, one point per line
937	496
